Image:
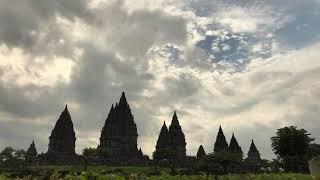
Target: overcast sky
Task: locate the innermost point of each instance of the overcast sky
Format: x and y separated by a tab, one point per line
251	66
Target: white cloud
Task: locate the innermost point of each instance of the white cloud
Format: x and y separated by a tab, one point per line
267	94
86	56
24	69
252	19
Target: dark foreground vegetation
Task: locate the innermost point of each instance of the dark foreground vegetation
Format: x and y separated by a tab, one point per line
135	173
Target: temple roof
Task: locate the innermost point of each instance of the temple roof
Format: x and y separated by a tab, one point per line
221	142
234	146
120	130
123	99
177	137
201	153
253	151
62	138
32	149
253	147
163	140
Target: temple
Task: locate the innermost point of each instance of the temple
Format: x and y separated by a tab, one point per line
62	139
234	148
163	140
177	140
221	144
171	141
118	146
119	133
61	149
31	154
253	161
201	153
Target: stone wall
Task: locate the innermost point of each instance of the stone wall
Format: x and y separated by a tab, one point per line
314	166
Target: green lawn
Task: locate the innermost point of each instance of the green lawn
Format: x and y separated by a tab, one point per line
168	177
143	173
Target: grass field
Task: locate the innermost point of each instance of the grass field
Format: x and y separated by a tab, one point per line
168	177
138	173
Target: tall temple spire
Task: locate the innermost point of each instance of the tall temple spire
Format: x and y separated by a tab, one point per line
172	140
31	153
253	150
175	121
234	147
32	150
253	161
221	144
119	134
162	141
123	99
201	153
62	139
177	139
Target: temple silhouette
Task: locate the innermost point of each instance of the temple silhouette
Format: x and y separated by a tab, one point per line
119	139
171	143
62	140
119	134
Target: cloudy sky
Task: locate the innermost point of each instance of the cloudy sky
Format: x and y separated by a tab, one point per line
251	66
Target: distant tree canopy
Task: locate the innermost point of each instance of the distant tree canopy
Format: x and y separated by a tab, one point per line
90	152
165	153
290	141
101	152
10	157
293	148
217	163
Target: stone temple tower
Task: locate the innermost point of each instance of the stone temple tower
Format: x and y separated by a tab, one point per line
177	140
171	140
221	144
119	133
253	161
163	142
234	148
201	153
62	139
31	154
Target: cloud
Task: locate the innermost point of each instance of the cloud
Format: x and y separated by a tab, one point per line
23	21
215	62
100	66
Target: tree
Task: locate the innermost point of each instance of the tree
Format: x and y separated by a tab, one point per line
90	152
161	154
11	158
104	152
20	154
7	153
292	147
219	163
101	152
